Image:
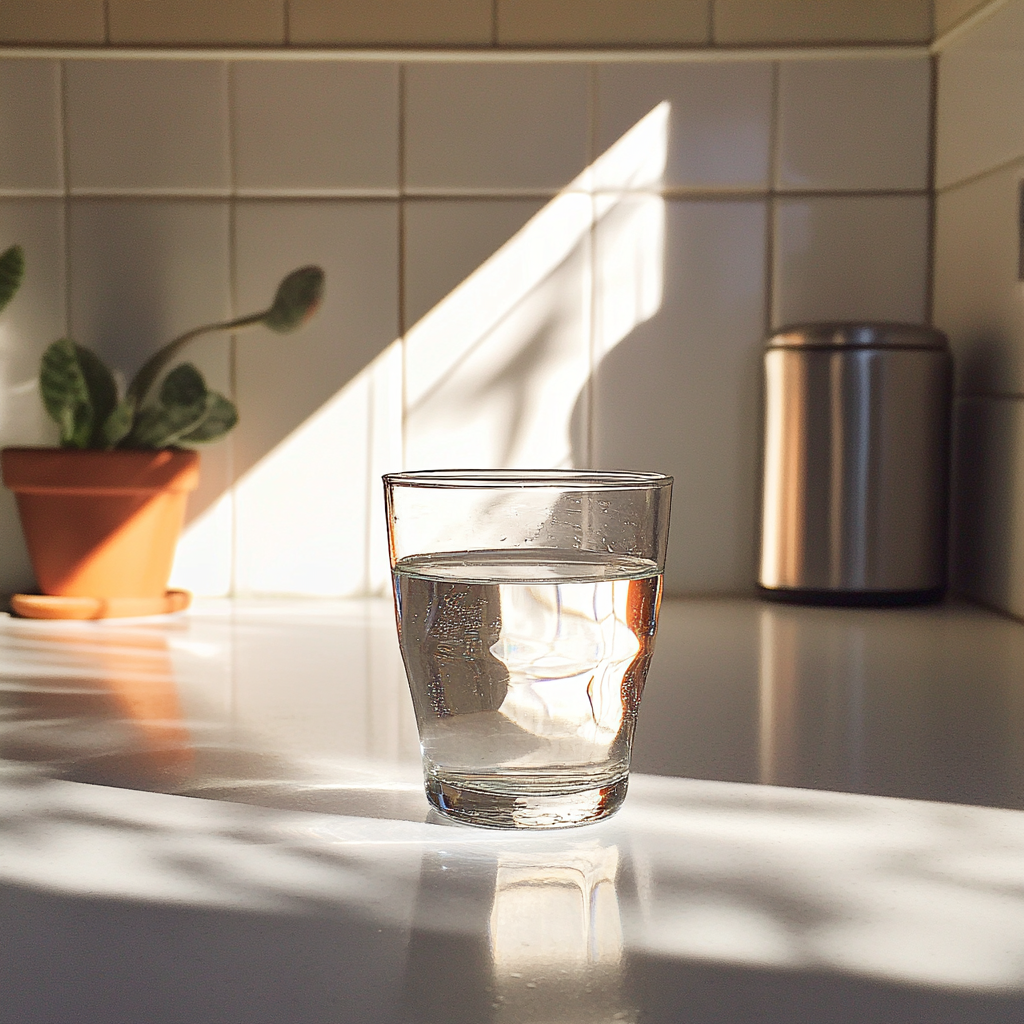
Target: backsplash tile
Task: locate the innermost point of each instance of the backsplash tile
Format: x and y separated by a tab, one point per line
53	21
324	127
147	126
820	21
30	151
446	240
719	121
854	124
949	12
981	97
231	22
307	463
496	373
603	22
677	379
978	297
495	127
850	258
144	271
390	22
546	316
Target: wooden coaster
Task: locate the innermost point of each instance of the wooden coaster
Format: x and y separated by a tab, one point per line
46	606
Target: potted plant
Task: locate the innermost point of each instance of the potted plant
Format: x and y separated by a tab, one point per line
102	512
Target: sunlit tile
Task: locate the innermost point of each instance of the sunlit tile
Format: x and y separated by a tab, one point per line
496	372
320	416
719	121
676	385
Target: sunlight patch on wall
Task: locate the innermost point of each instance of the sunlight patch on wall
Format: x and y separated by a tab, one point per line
494	375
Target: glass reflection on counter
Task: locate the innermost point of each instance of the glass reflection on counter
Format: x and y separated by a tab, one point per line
556	937
530	932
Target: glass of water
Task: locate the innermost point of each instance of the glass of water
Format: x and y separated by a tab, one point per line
527	606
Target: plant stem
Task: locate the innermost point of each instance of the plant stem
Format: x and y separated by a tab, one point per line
147	375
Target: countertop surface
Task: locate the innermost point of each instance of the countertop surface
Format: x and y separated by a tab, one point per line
878	876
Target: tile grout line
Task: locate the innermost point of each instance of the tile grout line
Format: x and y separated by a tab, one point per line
711	194
106	21
774	159
480	54
402	85
286	12
593	115
65	158
933	122
233	303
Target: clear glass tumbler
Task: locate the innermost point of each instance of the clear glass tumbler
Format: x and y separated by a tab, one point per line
527	606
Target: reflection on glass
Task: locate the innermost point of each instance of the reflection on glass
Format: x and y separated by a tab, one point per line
556	938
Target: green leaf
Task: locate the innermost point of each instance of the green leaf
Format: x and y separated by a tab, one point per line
298	297
102	391
118	424
65	393
220	417
184	385
12	268
181	407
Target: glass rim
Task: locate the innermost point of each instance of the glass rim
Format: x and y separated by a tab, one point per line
506	479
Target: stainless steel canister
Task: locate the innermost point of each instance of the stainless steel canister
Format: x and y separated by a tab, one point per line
856	457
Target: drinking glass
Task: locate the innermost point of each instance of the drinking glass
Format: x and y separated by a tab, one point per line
527	607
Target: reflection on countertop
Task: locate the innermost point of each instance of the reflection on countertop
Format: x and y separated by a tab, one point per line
317	886
304	704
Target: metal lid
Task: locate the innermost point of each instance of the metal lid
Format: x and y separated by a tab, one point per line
858	334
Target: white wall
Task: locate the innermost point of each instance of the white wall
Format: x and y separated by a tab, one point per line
517	275
979	297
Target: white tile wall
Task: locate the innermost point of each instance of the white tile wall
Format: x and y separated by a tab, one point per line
979	298
475	312
30	113
679	393
147	126
719	123
446	240
321	127
849	258
495	127
304	447
980	106
854	124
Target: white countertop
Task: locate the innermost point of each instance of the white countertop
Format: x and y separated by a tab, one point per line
316	885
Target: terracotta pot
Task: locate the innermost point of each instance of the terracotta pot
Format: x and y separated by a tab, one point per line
101	524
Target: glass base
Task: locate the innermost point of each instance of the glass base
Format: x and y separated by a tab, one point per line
520	802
